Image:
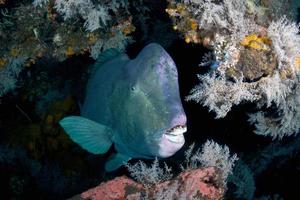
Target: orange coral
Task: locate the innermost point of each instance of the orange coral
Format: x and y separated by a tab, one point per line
127	26
128	29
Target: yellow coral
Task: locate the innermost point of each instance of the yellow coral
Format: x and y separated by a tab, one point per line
256	45
246	41
193	24
92	38
70	51
297	61
192	36
3	62
266	41
180	7
14	52
255	42
187	39
171	11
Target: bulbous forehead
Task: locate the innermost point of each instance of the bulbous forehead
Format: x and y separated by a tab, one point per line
153	54
165	67
154	66
157	58
154	80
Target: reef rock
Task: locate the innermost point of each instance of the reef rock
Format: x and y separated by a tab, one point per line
253	64
204	184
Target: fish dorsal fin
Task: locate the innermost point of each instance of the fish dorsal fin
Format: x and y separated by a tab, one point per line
115	161
105	56
91	136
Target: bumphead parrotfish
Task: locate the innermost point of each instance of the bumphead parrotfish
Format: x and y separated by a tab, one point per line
134	104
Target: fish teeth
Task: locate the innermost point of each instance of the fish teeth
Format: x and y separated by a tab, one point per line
180	128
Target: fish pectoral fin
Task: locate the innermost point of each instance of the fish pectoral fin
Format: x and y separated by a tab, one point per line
90	135
116	161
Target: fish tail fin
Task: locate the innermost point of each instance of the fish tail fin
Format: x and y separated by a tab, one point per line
94	137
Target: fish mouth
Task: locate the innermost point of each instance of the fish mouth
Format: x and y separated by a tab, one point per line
176	130
175	134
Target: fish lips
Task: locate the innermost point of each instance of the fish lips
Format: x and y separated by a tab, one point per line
175	134
171	141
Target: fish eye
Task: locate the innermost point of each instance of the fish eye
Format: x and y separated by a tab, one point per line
132	88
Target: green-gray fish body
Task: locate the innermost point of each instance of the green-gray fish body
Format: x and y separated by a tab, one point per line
134	104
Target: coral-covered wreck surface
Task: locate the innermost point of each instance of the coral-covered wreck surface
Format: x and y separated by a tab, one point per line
211	112
203	184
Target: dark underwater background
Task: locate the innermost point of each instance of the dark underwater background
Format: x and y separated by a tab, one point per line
39	161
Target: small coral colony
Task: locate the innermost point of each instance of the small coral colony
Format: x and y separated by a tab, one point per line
134	104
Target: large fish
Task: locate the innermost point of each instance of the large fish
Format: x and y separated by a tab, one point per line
134	104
